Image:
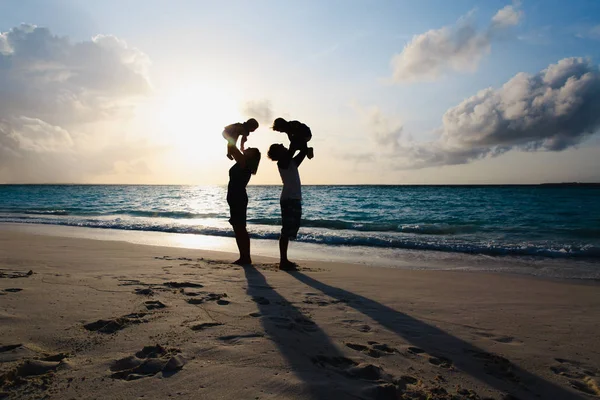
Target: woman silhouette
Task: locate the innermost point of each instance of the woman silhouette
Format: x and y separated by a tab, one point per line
246	165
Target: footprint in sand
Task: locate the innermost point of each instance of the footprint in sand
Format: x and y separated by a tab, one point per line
255	314
144	292
352	369
582	377
216	297
15	352
433	359
440	361
154	305
383	385
34	372
496	365
299	324
181	285
204	325
12	290
148	362
116	324
498	338
357	325
416	350
12	274
321	301
373	349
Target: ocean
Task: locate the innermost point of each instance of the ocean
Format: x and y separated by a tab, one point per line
527	223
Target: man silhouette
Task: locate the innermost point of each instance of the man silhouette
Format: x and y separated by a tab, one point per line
291	197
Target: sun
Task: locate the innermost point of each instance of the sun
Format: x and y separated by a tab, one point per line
193	117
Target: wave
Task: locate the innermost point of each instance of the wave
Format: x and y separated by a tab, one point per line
166	214
397	240
425	229
131	213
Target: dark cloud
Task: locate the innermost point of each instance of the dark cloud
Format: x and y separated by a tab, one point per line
52	91
427	56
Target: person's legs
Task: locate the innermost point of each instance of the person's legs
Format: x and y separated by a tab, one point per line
243	243
284	241
237	209
291	212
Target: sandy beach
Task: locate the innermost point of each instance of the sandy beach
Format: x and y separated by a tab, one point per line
99	319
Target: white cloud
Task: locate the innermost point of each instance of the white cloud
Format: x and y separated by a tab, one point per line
508	16
53	91
552	110
460	47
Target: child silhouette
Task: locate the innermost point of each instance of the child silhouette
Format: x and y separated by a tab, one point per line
232	132
298	133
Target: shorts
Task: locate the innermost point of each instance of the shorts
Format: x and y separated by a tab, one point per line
238	209
291	214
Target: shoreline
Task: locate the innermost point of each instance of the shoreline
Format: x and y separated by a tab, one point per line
549	268
330	330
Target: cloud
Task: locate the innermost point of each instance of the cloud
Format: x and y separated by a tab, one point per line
585	33
53	91
460	47
384	132
259	109
552	110
508	16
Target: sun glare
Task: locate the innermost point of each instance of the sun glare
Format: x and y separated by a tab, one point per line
193	118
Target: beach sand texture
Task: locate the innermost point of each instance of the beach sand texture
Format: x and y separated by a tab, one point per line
112	320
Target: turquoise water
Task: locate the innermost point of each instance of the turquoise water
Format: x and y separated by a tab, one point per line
522	221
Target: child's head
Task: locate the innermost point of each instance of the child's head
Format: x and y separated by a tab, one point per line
277	151
280	125
252	156
251	125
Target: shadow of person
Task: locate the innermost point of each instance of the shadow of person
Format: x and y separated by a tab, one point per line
491	369
310	352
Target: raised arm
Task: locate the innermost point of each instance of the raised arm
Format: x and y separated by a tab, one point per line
238	156
300	157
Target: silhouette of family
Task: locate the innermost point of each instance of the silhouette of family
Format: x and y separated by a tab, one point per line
246	165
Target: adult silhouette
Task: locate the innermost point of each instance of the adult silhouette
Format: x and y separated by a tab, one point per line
246	165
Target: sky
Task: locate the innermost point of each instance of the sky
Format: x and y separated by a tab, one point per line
395	92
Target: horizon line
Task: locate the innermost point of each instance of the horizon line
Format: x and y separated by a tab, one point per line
569	183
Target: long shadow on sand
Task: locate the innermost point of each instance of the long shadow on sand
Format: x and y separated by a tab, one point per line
323	369
493	370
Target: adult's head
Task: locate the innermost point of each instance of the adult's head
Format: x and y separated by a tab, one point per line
280	125
252	157
277	151
251	125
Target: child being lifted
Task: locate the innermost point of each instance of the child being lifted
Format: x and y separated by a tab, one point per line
232	132
298	133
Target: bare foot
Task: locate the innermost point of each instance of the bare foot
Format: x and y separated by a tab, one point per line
241	261
288	266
